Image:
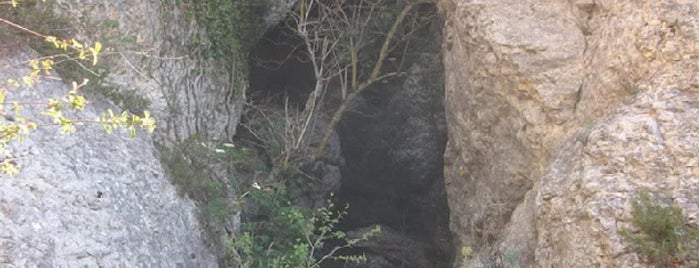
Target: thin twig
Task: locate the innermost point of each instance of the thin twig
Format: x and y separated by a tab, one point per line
21	28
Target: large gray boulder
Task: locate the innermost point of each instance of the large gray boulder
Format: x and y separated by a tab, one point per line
90	199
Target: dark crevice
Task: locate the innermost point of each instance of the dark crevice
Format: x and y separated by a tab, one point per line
393	143
280	69
392	140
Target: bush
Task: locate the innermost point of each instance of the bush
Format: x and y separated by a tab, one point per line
274	235
280	235
662	235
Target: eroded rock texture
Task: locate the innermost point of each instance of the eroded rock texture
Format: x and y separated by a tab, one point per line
558	111
583	200
159	51
90	199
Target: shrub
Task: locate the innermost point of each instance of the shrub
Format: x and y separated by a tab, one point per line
279	234
662	235
274	235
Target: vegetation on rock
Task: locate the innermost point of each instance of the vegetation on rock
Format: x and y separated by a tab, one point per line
276	233
662	236
16	126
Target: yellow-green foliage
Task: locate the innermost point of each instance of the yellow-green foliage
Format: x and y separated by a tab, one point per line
466	253
41	19
68	50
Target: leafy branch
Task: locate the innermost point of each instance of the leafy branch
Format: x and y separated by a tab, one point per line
16	127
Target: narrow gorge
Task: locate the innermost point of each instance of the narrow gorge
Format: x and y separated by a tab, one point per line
354	133
390	144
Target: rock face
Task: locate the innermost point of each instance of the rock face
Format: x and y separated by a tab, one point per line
558	112
389	246
155	51
95	201
325	172
583	199
91	199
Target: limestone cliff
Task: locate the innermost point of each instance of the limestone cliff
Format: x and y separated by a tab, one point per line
153	51
558	112
90	199
96	200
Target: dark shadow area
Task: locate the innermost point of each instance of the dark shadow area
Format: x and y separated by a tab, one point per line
392	141
279	68
393	144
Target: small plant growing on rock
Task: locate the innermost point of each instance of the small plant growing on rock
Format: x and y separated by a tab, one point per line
59	111
283	235
661	234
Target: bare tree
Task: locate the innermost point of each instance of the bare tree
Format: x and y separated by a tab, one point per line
339	36
347	43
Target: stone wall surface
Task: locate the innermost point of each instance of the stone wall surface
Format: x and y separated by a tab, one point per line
558	112
584	198
154	50
95	200
90	199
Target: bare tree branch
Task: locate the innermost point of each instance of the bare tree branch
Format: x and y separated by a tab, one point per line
375	76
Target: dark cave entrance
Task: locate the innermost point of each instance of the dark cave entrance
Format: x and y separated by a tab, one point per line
279	69
392	141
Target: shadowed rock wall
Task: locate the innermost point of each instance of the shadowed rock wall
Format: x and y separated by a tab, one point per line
392	139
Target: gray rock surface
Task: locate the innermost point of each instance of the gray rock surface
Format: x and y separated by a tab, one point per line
90	199
324	174
277	11
153	53
94	200
156	52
